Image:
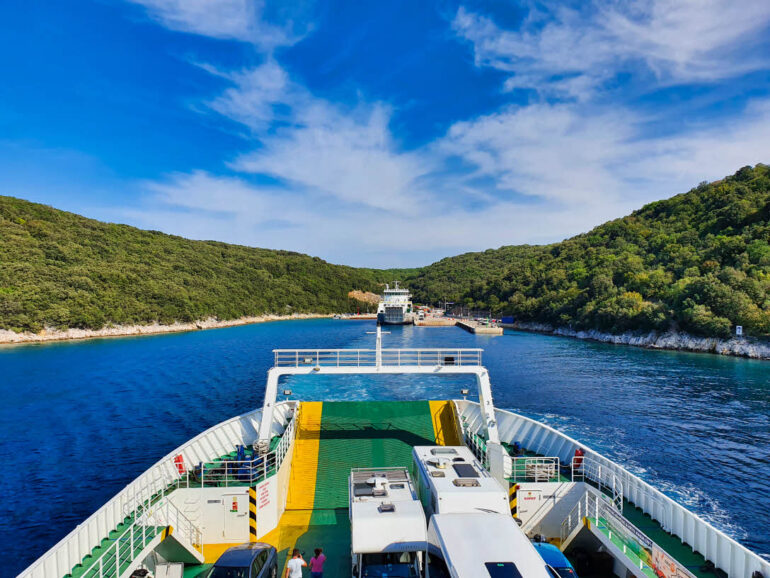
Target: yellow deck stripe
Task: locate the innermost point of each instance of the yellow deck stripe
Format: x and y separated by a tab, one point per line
444	423
295	521
212	552
304	461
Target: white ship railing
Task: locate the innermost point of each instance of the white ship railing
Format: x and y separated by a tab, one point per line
369	358
713	544
159	518
606	479
534	469
233	472
167	472
476	443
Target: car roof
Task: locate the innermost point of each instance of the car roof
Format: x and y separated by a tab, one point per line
552	555
242	555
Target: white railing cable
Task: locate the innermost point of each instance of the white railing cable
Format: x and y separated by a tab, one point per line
587	468
373	357
131	544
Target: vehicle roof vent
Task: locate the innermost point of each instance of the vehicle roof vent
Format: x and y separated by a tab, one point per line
466	483
386	507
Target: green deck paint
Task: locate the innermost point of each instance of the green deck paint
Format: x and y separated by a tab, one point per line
357	435
365	435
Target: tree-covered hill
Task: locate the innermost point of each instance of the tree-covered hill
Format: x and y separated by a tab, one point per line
63	270
699	262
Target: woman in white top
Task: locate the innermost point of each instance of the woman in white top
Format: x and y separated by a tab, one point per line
294	566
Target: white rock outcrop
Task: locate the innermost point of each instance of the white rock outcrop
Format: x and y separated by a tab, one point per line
743	347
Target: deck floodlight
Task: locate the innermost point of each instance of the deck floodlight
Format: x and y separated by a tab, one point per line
287	392
464	393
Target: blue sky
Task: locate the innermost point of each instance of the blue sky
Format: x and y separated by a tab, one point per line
377	133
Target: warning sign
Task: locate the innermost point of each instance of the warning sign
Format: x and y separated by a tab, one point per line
263	495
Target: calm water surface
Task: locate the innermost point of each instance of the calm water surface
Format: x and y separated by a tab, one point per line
81	420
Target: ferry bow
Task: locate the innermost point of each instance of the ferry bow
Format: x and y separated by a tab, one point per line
407	488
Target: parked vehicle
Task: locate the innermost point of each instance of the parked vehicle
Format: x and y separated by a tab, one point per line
552	556
252	560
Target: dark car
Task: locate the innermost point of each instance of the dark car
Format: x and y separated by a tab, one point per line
253	560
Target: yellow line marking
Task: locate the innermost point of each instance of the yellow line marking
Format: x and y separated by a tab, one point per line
212	552
444	423
304	462
295	521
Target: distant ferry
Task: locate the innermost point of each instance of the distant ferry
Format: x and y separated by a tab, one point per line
395	307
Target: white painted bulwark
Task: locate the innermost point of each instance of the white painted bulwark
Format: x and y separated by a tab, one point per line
221	514
542	506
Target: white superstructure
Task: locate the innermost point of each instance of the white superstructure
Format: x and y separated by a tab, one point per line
395	307
388	530
451	480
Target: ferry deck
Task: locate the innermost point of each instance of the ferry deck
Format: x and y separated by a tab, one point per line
308	449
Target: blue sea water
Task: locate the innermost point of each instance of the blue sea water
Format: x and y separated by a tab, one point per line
80	420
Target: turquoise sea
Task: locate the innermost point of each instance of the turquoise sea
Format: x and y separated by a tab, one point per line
80	420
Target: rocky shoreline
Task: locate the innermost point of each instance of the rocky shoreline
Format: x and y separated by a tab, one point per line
740	347
52	334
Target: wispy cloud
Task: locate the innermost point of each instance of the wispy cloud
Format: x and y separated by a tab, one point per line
242	20
322	148
571	52
254	95
579	170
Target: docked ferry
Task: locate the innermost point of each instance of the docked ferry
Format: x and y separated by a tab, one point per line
441	488
395	306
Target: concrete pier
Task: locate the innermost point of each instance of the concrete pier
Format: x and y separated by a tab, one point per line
479	328
436	322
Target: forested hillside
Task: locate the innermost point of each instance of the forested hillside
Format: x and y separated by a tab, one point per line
699	261
63	270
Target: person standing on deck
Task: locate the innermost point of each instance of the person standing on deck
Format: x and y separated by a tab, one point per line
317	563
294	566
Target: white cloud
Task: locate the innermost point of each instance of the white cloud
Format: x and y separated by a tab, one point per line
585	169
201	191
310	144
564	154
254	95
550	152
572	52
349	156
226	19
